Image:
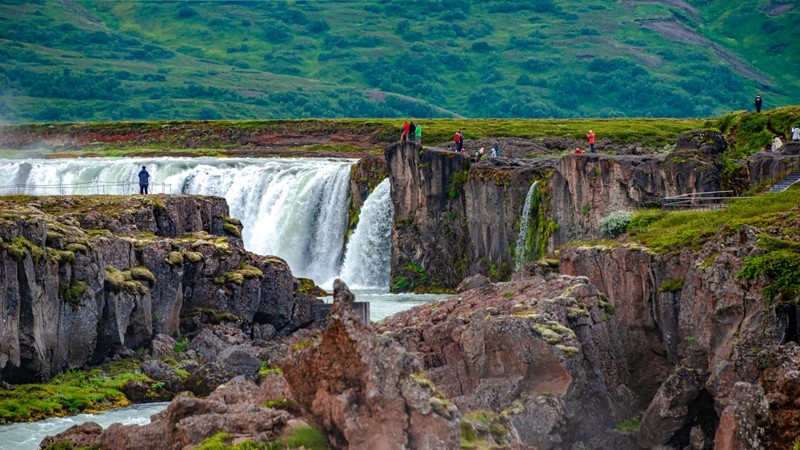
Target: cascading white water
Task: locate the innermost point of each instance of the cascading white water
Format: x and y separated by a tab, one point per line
293	208
522	249
367	258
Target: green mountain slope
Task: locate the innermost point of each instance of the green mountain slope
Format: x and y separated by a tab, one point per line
91	60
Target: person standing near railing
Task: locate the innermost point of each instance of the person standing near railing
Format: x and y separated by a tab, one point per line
144	180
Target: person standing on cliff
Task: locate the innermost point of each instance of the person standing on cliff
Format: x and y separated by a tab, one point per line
496	149
758	102
459	140
144	180
418	134
412	131
404	134
796	133
590	137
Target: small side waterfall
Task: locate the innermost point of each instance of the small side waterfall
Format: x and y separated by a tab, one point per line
295	208
526	241
367	259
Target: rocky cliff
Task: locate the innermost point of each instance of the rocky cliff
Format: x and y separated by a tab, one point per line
84	278
430	239
703	344
587	188
538	358
454	219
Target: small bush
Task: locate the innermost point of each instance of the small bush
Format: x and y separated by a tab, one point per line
672	285
615	223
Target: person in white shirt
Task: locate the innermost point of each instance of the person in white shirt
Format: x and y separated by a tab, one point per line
796	133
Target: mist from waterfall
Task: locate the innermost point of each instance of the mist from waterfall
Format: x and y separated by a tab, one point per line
369	251
523	250
295	208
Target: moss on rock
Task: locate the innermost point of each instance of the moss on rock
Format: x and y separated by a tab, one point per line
238	275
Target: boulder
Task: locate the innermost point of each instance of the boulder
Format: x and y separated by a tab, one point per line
364	391
237	360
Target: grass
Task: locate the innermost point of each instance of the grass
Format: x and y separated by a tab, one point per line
691	229
72	392
307	438
631	425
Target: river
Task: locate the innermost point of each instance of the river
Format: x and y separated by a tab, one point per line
28	435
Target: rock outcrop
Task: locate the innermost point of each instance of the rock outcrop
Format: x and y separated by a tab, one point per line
84	278
587	188
364	390
543	353
430	239
710	348
453	220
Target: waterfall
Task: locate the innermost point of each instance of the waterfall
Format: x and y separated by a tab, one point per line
295	208
524	244
368	254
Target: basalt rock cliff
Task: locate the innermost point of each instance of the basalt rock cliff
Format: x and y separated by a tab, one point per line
453	218
714	357
85	278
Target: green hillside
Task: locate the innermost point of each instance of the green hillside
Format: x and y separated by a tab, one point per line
91	60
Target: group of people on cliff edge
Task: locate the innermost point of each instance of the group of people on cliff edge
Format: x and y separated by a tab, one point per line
412	132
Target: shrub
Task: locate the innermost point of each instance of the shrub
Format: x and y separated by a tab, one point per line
615	223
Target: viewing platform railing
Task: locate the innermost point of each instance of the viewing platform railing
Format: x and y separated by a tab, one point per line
704	201
87	188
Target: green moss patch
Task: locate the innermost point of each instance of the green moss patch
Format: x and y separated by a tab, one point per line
238	275
174	259
19	247
75	391
119	280
672	285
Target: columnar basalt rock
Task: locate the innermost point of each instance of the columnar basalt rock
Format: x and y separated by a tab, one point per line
86	277
495	195
452	219
430	240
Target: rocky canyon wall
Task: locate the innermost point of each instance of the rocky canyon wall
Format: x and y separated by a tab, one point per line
454	219
702	344
83	278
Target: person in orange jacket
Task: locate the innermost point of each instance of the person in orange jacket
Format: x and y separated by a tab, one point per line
590	137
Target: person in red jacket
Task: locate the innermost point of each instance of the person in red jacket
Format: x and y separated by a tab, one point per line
590	137
404	134
459	140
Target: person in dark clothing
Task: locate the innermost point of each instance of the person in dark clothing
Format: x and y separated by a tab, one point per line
412	130
758	102
144	180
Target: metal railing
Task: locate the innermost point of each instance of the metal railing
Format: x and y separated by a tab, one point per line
699	200
86	188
